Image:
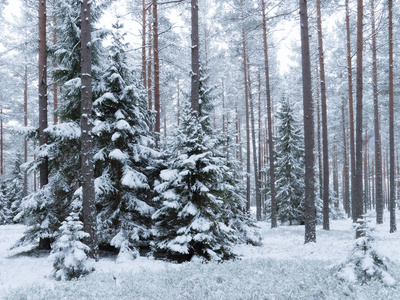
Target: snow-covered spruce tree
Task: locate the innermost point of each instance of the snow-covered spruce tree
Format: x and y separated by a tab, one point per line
289	167
5	214
45	210
123	142
364	263
69	253
200	212
12	190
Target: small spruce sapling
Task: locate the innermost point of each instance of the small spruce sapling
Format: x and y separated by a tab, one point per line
364	263
69	252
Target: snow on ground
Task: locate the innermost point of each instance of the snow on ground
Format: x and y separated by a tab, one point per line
282	268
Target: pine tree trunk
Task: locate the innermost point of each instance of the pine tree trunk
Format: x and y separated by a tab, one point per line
157	125
179	104
149	66
310	212
87	163
248	195
351	106
25	191
366	187
392	191
195	57
346	189
144	66
255	160
378	165
324	120
269	113
358	180
1	145
335	175
44	173
223	106
320	169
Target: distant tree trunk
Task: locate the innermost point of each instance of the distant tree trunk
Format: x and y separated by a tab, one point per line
179	105
55	87
335	175
247	114
392	198
25	191
1	145
269	113
309	212
87	163
351	106
144	66
324	120
223	106
149	66
157	125
358	181
255	160
44	173
320	169
346	190
378	165
260	139
366	186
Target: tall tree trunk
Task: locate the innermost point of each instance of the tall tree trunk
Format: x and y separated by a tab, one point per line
144	66
44	172
157	125
324	120
269	113
247	113
310	212
87	163
25	191
392	191
378	165
255	160
149	66
335	175
320	169
351	105
346	190
366	186
358	181
195	57
1	145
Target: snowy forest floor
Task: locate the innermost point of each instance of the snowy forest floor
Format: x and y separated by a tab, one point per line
282	268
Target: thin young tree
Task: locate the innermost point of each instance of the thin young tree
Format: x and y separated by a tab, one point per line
269	113
325	153
392	191
357	200
309	213
87	162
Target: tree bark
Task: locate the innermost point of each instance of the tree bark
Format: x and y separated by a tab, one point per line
378	165
87	163
44	172
392	191
55	87
310	212
319	150
269	113
157	125
324	120
358	180
195	57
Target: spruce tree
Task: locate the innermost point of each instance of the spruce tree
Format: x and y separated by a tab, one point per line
46	209
200	212
123	153
289	167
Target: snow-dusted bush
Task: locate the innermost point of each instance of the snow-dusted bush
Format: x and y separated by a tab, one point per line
69	254
364	263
